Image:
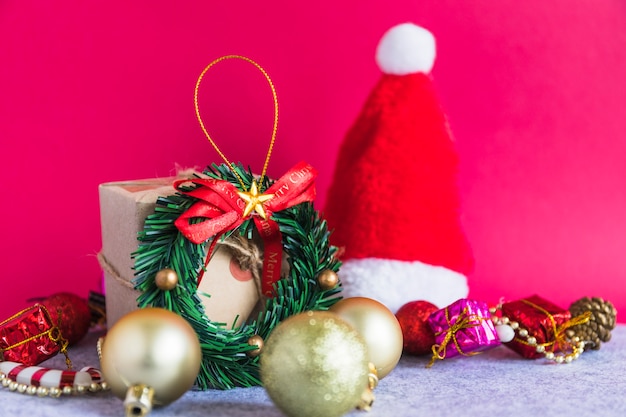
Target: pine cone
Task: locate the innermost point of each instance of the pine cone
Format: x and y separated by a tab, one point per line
598	328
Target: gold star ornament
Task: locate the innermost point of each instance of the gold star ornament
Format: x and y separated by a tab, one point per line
254	201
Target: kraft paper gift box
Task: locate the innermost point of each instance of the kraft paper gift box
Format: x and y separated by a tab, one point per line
124	207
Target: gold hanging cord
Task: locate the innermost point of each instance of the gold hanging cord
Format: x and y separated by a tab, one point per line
274	129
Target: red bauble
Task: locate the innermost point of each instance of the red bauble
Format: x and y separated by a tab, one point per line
71	313
418	336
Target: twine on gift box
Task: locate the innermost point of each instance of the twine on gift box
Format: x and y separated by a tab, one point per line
463	321
53	333
104	263
249	256
560	339
247	253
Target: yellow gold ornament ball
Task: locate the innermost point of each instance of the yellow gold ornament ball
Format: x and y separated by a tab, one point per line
378	326
152	347
328	279
314	364
166	279
257	341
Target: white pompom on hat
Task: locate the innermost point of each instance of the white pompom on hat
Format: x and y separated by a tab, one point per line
406	49
393	205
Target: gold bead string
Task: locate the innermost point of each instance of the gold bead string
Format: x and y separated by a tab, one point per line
55	392
206	133
560	339
99	344
524	337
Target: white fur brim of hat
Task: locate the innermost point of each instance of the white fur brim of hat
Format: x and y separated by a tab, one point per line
395	283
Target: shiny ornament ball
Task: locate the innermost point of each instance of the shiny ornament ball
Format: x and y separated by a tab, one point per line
314	364
257	341
378	326
166	279
70	313
413	318
153	347
328	279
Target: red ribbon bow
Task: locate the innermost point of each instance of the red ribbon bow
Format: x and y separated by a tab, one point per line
221	207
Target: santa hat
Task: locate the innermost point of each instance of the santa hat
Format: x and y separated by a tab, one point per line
393	204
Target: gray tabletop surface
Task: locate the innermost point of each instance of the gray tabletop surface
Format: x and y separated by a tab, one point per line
495	383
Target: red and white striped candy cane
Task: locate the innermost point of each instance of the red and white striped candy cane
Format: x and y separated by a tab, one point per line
45	381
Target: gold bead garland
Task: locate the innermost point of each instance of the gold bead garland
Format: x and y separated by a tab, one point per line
54	392
577	345
54	333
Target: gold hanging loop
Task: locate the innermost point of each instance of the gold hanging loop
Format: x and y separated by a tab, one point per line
206	133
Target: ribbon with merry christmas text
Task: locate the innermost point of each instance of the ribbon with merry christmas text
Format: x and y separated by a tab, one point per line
221	207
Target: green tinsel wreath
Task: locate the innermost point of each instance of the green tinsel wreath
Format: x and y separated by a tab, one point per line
225	362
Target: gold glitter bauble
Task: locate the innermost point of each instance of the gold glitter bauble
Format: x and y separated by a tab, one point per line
314	364
378	326
166	279
328	279
154	348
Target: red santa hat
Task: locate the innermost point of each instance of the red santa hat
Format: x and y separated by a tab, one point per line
393	204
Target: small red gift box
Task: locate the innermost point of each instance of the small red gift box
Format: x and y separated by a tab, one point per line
463	328
543	320
30	337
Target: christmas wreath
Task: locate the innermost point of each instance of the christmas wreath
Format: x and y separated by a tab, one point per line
202	213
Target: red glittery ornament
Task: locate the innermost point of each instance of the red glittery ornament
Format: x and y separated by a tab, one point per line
418	336
70	313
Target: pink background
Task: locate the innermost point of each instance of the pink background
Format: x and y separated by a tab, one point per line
98	91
